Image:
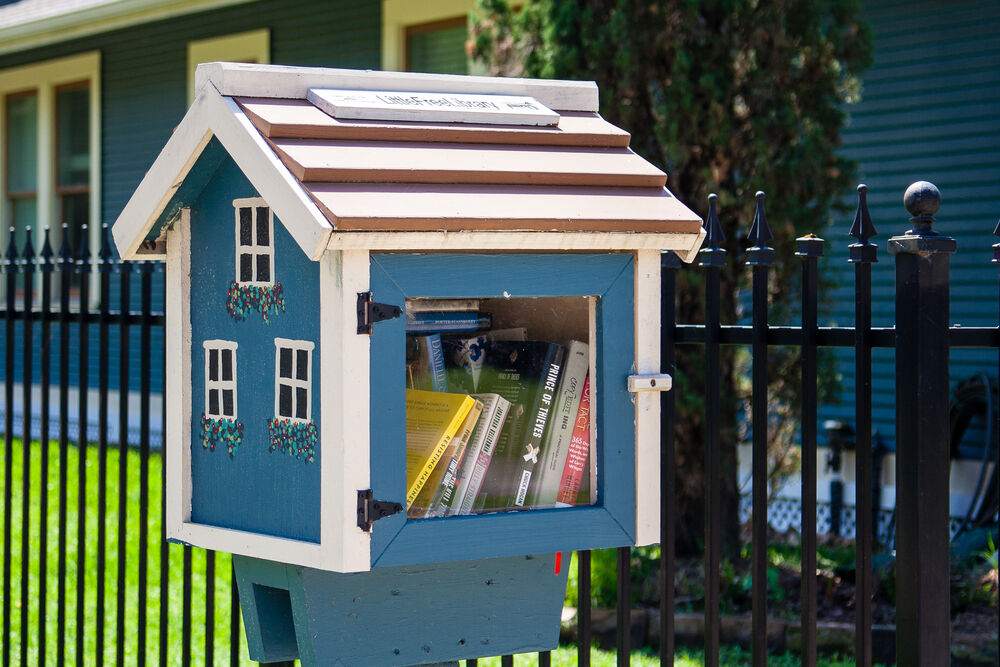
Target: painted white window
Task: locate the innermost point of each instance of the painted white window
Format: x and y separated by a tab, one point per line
50	124
254	242
293	379
220	379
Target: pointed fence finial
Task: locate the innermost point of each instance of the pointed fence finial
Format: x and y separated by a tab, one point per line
759	254
11	255
28	254
105	254
65	248
46	254
711	253
715	234
83	255
863	229
760	231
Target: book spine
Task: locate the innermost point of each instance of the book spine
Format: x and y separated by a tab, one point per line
427	322
435	353
450	431
556	445
444	494
425	472
538	426
491	403
478	474
579	452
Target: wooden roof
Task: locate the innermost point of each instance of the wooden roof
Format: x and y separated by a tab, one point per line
337	183
407	176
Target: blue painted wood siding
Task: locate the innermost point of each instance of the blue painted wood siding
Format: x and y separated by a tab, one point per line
929	112
144	95
254	489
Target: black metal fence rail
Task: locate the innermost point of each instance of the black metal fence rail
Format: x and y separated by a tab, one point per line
922	369
99	590
175	591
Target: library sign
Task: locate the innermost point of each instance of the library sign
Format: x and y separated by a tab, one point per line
433	107
413	341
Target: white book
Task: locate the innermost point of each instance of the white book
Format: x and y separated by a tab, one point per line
556	445
479	452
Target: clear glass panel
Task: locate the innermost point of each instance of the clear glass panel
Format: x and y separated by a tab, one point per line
73	136
497	405
24	211
22	143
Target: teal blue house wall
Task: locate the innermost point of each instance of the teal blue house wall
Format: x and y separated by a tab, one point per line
255	487
929	111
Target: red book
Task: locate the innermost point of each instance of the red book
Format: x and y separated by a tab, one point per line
579	451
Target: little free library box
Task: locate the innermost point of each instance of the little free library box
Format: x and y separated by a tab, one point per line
413	343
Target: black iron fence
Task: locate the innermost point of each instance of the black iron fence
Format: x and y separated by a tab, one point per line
114	591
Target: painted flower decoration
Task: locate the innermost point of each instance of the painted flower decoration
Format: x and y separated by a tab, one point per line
265	299
228	432
296	438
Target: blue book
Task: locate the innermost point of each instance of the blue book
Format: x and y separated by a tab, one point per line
425	363
445	322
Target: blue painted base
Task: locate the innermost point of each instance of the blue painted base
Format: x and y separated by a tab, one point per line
401	615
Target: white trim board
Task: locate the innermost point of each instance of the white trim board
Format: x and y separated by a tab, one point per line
249	80
344	427
685	245
177	340
647	403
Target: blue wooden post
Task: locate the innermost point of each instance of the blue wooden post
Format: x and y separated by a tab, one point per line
923	616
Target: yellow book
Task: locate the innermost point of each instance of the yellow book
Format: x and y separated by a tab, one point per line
432	420
449	460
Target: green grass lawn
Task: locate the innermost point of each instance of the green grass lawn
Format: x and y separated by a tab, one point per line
91	574
563	656
729	657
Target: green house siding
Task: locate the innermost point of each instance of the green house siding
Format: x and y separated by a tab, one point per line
144	96
929	112
144	70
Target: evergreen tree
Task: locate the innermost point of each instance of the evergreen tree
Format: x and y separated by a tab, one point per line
727	96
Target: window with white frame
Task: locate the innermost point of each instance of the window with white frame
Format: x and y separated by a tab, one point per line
293	379
254	242
50	152
220	379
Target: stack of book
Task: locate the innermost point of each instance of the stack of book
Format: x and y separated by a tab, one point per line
495	422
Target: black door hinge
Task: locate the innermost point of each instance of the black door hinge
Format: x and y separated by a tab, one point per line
370	510
370	312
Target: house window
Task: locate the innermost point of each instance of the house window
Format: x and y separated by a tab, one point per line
293	379
438	47
220	379
254	242
49	152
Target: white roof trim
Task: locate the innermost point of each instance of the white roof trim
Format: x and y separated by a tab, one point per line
51	22
685	245
252	80
213	115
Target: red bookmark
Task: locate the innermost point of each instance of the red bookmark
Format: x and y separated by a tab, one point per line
558	562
